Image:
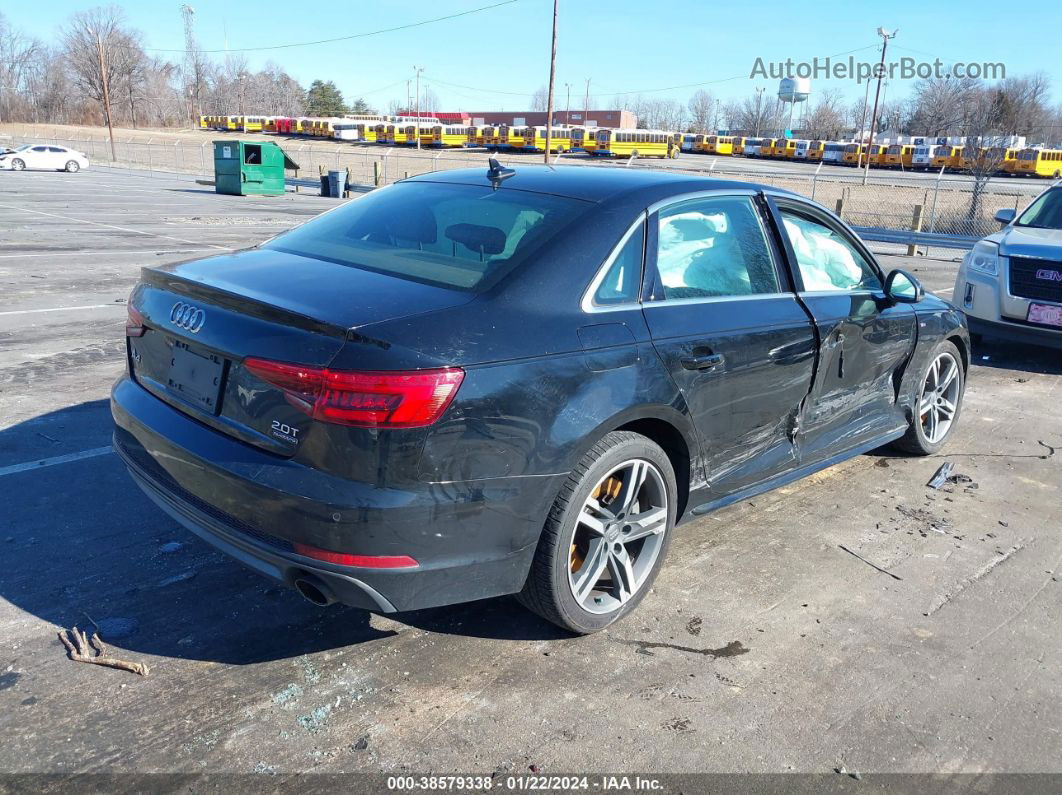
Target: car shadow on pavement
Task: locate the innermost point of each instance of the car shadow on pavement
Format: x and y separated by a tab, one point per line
83	546
1004	355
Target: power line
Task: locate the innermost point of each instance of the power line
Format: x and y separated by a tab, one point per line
640	90
346	38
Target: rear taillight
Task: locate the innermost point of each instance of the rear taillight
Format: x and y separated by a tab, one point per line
410	399
134	324
365	561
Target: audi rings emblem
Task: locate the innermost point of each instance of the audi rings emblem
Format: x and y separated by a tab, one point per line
191	318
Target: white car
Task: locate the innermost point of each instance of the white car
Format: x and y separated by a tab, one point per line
1010	284
43	156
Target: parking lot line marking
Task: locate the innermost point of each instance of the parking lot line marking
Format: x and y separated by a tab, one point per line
112	226
50	462
91	252
61	309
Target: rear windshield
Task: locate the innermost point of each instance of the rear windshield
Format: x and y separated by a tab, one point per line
461	236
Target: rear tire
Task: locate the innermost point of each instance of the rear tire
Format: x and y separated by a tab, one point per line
939	403
72	167
606	535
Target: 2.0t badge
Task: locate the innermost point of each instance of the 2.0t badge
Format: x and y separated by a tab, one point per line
190	318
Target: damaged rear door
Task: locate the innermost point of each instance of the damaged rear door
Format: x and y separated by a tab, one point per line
730	330
865	340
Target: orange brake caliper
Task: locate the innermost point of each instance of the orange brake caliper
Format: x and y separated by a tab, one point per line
609	490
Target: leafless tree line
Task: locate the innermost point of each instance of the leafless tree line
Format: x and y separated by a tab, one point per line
934	107
62	83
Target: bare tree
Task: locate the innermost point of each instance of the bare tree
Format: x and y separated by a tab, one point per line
17	56
985	115
539	98
93	41
704	112
756	114
938	103
826	118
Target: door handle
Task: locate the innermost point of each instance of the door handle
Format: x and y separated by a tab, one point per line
708	361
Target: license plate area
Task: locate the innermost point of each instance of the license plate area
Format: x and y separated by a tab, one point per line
195	376
1045	315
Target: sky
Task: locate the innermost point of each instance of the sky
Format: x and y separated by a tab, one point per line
496	58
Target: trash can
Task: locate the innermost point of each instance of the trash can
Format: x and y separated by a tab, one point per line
244	168
325	190
337	183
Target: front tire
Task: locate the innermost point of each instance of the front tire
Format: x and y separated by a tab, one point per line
18	165
72	167
606	535
939	402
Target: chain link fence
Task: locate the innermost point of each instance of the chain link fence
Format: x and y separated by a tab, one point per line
887	200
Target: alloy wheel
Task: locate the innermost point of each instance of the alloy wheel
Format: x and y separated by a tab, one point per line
618	536
940	398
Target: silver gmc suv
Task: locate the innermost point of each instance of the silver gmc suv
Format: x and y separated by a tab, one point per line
1010	284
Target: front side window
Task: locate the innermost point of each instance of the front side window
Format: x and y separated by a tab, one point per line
827	260
460	236
1045	212
714	247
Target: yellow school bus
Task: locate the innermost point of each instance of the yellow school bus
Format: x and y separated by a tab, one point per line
854	154
815	150
560	139
877	154
950	157
786	148
511	137
447	135
899	156
1034	162
625	142
491	135
584	138
203	123
767	147
1006	160
719	145
738	145
381	132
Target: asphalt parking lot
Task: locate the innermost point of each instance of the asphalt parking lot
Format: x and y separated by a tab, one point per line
764	646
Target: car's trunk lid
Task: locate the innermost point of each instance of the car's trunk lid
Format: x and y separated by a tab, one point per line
205	317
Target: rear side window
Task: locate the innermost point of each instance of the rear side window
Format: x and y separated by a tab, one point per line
714	247
460	236
623	280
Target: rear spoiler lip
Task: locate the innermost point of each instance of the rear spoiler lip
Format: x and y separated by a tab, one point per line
229	300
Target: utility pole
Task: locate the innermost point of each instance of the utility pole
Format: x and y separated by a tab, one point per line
885	36
552	76
417	70
759	109
586	103
106	93
192	78
862	127
568	106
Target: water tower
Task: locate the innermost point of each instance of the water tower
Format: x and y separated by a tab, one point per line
793	90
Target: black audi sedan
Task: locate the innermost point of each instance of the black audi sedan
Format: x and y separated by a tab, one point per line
486	382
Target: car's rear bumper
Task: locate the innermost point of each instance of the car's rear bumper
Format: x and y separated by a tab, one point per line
469	543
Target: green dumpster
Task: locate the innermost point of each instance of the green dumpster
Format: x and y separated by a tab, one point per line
243	168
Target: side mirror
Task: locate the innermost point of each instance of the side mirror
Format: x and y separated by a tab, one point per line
1005	216
903	288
